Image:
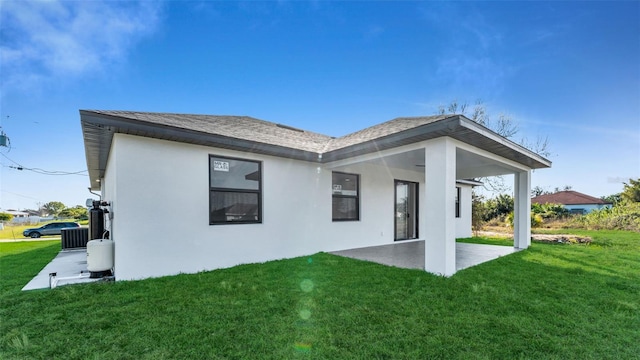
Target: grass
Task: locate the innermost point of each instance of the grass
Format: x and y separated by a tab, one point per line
14	232
549	302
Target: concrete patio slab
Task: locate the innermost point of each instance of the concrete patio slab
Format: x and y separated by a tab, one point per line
410	255
70	267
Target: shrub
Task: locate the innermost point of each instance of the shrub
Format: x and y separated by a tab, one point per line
499	207
6	217
549	211
625	216
536	219
478	212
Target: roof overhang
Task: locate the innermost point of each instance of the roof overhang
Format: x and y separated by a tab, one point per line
457	127
469	182
98	131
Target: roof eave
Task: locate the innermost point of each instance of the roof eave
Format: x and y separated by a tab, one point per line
470	182
520	153
420	133
457	127
98	131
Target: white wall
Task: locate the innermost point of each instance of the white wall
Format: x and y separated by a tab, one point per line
463	223
159	194
160	203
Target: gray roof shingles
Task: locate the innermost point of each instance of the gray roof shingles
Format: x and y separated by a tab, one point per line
381	130
238	127
252	129
249	134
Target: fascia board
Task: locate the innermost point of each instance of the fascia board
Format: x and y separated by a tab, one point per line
492	136
469	182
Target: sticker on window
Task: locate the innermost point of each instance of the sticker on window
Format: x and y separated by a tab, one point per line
337	188
220	166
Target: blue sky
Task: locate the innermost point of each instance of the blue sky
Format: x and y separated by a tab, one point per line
566	70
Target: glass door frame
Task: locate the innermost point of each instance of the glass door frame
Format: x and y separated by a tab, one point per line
412	196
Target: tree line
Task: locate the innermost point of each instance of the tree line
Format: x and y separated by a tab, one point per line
623	215
56	209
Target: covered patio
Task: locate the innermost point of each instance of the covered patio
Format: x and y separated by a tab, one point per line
441	154
411	255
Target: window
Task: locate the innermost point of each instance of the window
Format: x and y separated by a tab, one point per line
457	201
346	196
235	195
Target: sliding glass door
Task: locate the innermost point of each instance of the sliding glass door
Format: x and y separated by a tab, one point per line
406	210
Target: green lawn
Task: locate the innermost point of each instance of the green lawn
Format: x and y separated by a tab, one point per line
549	302
14	232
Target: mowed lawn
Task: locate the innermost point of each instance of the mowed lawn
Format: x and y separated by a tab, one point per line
549	302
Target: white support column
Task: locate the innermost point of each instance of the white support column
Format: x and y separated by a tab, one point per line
522	210
439	207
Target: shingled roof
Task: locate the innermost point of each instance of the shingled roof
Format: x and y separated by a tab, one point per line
248	134
568	197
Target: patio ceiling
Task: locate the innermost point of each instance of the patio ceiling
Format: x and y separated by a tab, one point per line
469	165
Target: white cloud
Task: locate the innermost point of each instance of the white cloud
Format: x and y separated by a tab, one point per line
47	40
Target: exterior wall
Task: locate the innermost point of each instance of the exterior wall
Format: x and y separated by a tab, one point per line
147	178
587	207
151	240
463	223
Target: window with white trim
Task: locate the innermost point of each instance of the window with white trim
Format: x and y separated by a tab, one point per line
235	195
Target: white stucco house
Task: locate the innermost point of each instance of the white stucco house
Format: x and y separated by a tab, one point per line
253	191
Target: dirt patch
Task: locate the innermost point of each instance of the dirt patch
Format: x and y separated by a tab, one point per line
564	239
548	238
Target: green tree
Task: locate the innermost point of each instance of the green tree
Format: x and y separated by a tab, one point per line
615	199
478	212
631	191
498	207
5	217
77	212
53	207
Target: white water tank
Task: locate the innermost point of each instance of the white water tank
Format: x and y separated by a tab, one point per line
100	255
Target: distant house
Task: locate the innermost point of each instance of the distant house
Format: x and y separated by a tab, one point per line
575	202
256	191
16	213
33	212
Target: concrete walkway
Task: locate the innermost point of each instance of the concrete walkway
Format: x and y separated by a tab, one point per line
70	266
410	255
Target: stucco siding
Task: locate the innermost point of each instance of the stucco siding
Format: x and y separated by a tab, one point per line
463	223
587	208
160	218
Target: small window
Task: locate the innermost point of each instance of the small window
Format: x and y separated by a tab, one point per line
346	196
457	201
235	191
